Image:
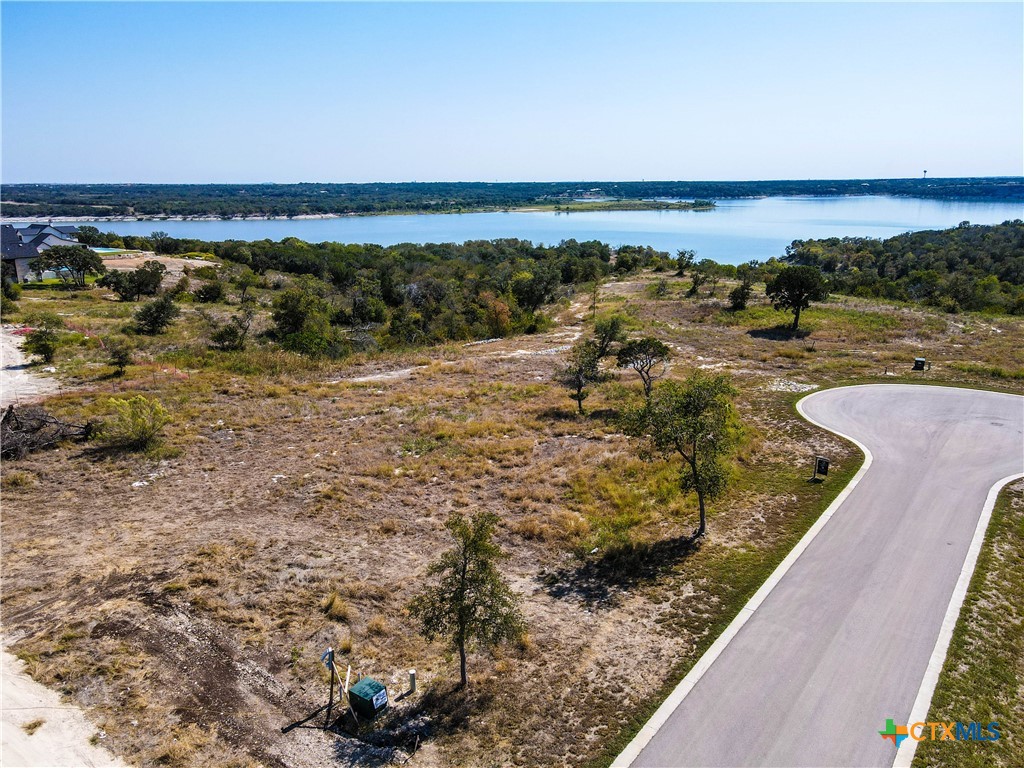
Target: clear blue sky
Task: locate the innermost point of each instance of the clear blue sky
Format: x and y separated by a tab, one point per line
245	92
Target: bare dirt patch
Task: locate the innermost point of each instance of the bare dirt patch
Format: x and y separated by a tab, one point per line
19	382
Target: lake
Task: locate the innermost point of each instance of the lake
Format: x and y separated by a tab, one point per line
734	232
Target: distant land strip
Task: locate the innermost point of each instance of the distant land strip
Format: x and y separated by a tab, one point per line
145	201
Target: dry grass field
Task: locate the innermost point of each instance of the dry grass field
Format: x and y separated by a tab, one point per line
184	597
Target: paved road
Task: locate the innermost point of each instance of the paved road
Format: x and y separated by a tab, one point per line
843	641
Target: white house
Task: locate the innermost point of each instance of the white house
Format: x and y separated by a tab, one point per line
20	245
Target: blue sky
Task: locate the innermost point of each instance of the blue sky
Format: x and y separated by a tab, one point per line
247	92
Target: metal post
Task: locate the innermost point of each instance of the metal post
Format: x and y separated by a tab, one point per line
330	701
412	681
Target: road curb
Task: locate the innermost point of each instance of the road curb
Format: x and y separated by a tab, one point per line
919	711
662	714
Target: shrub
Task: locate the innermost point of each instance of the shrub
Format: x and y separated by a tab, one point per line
206	273
50	320
154	317
136	423
180	288
7	306
129	285
119	355
210	292
42	342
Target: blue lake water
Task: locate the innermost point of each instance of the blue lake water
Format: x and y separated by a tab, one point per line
734	232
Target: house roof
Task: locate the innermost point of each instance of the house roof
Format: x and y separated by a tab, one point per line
27	242
48	238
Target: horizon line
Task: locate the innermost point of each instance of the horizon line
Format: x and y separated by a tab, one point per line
532	181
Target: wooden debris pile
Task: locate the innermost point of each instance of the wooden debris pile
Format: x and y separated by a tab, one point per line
30	428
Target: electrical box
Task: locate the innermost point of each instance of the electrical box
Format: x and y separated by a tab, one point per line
368	698
920	363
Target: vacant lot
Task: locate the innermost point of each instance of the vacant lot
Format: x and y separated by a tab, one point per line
179	597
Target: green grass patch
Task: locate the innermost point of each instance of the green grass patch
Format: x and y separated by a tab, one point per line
982	679
991	371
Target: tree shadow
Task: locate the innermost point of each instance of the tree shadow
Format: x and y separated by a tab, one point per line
596	582
399	731
782	332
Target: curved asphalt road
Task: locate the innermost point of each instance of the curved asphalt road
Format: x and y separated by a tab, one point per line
842	642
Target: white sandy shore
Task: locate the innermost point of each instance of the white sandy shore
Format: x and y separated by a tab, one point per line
72	219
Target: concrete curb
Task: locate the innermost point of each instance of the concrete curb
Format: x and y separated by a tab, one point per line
919	712
661	716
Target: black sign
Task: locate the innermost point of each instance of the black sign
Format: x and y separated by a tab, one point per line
821	466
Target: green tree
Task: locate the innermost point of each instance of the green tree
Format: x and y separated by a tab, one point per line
794	288
581	369
130	284
303	324
608	330
210	292
244	281
740	295
154	317
42	342
470	603
691	419
71	263
534	288
643	356
700	274
684	260
162	242
148	277
119	355
232	335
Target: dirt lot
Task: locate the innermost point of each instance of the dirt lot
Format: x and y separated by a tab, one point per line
178	598
20	383
175	266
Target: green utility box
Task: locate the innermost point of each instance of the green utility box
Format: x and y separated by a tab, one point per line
368	698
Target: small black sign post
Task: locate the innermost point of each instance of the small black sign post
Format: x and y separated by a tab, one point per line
820	467
328	660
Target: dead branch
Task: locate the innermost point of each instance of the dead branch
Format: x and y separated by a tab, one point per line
30	428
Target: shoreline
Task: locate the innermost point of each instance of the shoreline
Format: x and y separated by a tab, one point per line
552	207
532	208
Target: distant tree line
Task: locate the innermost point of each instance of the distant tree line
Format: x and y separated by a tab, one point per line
969	267
229	200
342	297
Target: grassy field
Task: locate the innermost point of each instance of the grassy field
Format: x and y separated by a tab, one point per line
184	597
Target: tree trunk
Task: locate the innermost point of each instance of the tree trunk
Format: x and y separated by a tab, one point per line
703	517
462	663
796	318
702	527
